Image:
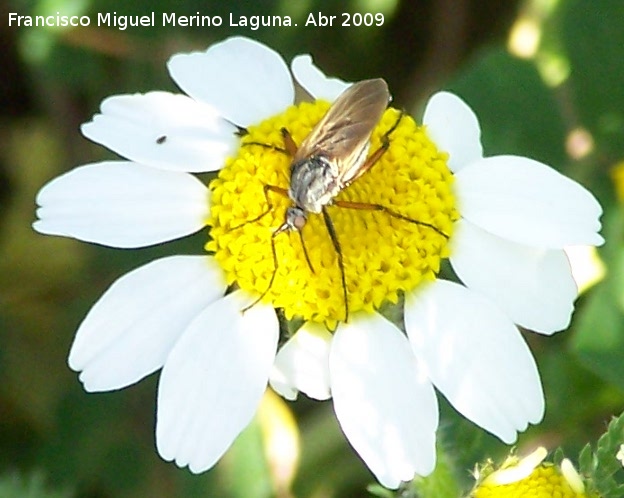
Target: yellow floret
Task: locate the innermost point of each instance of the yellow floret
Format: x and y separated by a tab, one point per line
546	481
383	255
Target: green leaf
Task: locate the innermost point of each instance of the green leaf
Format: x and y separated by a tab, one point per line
441	483
380	491
586	460
605	471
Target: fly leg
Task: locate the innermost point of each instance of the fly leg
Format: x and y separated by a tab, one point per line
275	263
376	156
267	189
334	238
378	207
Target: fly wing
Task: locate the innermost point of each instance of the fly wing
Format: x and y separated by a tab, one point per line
342	135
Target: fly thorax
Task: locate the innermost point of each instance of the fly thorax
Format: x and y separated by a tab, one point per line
313	183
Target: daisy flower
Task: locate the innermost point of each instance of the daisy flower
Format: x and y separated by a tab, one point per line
530	477
502	221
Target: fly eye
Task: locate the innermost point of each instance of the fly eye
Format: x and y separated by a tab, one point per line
299	222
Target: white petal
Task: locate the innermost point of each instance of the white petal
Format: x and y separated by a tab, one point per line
163	130
454	128
302	364
213	380
525	201
385	405
243	79
534	286
314	81
476	357
122	204
131	329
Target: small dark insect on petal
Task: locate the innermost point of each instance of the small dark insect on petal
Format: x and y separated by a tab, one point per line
240	131
161	139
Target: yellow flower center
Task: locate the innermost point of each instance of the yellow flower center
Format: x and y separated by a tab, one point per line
383	254
546	481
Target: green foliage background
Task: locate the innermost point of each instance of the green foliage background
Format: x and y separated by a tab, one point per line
57	441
